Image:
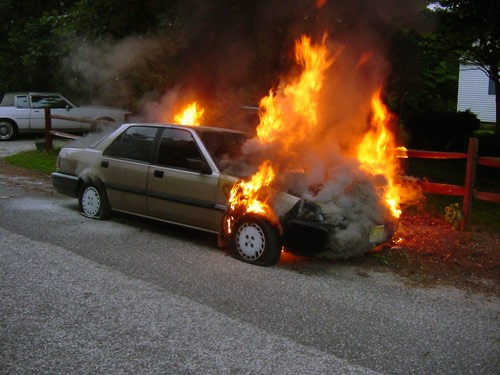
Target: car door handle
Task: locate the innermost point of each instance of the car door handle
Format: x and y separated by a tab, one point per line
158	174
104	164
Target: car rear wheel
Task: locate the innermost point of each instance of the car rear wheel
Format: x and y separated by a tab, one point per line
254	240
7	130
93	202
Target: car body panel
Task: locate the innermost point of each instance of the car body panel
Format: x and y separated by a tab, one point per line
125	182
182	196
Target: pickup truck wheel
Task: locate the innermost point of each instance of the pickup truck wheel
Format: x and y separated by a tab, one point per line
254	240
8	130
93	202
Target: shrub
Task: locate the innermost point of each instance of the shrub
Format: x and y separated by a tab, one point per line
442	131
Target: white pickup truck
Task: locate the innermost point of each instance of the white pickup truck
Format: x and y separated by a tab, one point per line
23	112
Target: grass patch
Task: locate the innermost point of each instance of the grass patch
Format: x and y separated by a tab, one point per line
41	161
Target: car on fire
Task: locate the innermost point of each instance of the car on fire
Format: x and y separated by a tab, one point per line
23	112
178	174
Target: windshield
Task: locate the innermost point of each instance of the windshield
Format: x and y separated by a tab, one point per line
224	147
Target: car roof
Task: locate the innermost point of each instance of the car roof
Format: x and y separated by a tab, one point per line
8	97
203	128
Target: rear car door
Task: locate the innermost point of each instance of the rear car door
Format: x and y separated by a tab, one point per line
176	191
124	166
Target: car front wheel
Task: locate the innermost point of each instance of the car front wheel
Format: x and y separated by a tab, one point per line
254	240
93	202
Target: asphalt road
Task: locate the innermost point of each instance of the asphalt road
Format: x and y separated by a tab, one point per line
134	296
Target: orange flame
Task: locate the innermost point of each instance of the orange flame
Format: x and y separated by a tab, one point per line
247	193
191	115
299	98
277	125
377	153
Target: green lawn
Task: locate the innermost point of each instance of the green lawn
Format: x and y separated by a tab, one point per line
42	161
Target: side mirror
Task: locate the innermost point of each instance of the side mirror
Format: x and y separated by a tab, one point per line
198	165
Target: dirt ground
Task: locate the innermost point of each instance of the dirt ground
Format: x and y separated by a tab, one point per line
426	250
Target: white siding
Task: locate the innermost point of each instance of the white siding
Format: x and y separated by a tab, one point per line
473	93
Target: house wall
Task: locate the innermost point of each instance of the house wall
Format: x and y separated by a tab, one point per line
473	93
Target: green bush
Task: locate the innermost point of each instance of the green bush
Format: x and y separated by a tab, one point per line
441	131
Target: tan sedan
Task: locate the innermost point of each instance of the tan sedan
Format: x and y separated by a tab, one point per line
175	174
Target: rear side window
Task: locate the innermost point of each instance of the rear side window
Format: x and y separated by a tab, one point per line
22	101
135	143
176	146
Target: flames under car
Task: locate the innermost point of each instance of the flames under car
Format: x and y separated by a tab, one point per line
183	175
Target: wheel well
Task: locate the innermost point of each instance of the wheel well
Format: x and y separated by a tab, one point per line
10	121
81	182
273	223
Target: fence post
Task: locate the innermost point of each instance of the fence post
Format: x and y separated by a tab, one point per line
48	128
470	178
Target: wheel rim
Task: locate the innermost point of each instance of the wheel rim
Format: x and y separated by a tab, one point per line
6	131
250	241
91	201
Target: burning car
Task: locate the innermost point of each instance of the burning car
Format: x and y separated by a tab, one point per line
193	177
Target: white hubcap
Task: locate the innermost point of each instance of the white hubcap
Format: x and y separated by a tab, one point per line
250	241
91	201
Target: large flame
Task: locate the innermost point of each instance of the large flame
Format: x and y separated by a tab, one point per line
377	153
277	126
289	125
278	122
191	115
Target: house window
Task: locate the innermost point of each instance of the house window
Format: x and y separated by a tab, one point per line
491	87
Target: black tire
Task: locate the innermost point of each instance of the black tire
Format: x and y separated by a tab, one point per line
254	240
8	130
93	202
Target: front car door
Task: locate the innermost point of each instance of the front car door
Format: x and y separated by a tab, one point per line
58	106
176	192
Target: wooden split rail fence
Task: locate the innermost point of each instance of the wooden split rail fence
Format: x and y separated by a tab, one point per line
468	191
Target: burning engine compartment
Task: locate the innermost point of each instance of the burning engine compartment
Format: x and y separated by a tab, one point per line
349	198
324	136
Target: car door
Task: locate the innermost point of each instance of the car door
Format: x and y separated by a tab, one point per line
58	106
124	169
21	113
178	192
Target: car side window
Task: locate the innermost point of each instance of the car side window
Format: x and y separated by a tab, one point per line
52	101
135	143
22	101
176	146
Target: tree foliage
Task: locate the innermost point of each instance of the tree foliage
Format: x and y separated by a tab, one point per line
229	48
473	28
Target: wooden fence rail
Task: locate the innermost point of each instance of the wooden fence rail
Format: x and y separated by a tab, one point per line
468	191
48	126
